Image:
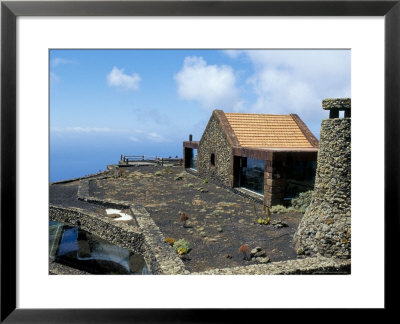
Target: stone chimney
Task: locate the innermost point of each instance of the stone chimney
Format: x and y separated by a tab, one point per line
325	228
336	105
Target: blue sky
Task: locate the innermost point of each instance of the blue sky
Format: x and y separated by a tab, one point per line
104	103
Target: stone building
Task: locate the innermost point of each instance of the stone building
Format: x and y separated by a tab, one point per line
270	157
325	228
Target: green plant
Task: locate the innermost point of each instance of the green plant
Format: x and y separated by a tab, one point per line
205	181
168	170
169	240
267	214
279	209
180	176
254	207
302	201
158	173
181	246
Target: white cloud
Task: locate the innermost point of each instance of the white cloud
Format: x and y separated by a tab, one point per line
296	81
117	78
54	77
59	61
133	139
212	85
155	137
233	53
79	129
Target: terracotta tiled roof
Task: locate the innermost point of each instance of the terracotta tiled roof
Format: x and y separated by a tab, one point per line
267	131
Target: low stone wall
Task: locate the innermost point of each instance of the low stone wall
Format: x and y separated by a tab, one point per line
80	178
123	235
326	226
159	256
61	269
146	239
317	265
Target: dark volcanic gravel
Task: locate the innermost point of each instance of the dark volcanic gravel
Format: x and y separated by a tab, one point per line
220	221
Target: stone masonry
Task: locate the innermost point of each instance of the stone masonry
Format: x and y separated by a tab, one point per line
326	226
214	142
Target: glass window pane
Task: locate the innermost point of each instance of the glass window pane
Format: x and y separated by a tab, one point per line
252	175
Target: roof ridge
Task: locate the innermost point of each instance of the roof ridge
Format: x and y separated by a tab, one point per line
227	128
305	130
254	114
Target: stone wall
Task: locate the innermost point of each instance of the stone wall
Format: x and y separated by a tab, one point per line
123	235
326	226
317	265
214	141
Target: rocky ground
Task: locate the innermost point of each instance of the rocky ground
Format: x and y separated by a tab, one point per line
219	223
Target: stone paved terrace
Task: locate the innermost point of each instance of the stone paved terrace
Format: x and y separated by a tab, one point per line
220	221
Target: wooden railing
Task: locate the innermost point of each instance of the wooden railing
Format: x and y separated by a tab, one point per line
126	159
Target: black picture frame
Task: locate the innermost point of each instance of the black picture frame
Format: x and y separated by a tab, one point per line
10	10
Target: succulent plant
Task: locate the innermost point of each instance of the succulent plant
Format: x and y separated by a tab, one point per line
245	251
181	246
169	240
183	218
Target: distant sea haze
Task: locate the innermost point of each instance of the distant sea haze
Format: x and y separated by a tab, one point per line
73	163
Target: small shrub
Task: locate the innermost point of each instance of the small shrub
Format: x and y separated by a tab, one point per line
278	209
263	221
301	202
267	214
181	246
180	176
158	174
169	240
168	170
205	181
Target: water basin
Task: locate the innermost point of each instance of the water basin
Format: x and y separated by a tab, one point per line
82	250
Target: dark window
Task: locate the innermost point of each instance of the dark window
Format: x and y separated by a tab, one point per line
193	160
252	175
190	158
300	176
212	159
